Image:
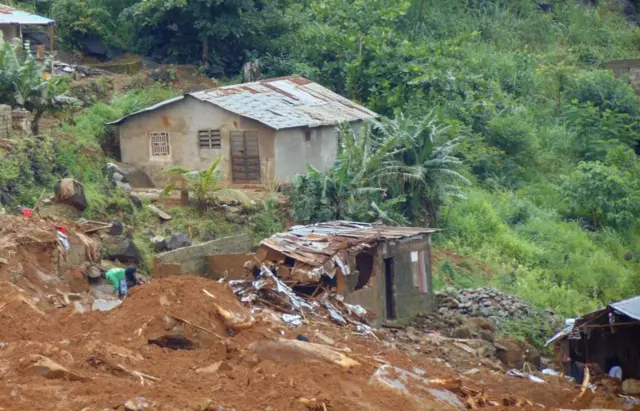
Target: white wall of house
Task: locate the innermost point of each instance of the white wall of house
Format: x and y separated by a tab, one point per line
182	121
293	151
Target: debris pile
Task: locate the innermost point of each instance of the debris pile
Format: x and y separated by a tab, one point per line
271	292
189	343
61	69
493	305
483	302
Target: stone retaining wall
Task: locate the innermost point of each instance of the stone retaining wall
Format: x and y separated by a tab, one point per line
5	121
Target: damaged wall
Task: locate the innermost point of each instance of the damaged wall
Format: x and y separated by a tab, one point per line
409	261
229	266
192	260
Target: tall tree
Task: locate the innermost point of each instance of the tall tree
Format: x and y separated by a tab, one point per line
218	33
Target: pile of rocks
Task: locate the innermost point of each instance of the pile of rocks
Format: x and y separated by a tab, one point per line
478	313
482	302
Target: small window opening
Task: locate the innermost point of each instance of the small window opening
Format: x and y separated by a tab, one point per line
160	144
364	266
307	136
210	139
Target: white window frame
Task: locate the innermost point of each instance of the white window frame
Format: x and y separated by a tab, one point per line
157	141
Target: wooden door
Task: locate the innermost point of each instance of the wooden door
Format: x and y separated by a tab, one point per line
245	157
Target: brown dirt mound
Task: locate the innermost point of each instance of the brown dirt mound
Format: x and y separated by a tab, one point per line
180	348
111	353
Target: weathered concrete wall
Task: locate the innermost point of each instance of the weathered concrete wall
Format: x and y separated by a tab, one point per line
10	32
5	121
182	120
293	153
629	67
21	120
229	266
192	260
409	300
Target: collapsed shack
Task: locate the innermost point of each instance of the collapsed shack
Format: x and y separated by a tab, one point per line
602	339
385	270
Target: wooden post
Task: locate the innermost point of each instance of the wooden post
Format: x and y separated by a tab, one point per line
52	32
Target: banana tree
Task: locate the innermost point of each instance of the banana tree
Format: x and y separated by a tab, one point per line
22	83
429	167
205	185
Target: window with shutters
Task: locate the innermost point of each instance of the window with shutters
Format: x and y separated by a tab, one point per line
210	139
160	144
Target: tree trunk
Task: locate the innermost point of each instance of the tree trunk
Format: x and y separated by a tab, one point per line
595	220
202	206
184	197
205	50
35	123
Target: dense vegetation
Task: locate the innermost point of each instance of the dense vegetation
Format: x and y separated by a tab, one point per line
502	125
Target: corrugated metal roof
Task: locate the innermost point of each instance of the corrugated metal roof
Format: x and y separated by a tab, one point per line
9	15
282	103
318	249
630	307
564	333
145	110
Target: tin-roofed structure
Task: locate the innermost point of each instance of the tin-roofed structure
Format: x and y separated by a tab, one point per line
387	270
603	337
266	129
12	22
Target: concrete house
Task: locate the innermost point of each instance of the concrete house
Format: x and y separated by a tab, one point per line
270	129
386	270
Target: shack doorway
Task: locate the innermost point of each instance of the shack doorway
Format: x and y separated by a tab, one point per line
390	295
245	157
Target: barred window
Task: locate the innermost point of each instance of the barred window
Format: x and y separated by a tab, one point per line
209	139
159	144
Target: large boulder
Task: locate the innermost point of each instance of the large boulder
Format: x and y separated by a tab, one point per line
159	244
178	240
121	248
94	46
129	174
70	191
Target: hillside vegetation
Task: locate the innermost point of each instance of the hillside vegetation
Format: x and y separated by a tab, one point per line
500	124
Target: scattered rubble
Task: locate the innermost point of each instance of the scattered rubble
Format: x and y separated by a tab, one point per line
191	343
61	69
491	308
178	240
70	191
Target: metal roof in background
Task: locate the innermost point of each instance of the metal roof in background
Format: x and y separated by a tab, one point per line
9	15
280	103
630	307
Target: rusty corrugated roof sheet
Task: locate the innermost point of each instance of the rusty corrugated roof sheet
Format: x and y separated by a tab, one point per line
318	249
9	15
280	103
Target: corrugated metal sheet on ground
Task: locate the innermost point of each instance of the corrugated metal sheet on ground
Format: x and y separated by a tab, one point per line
9	15
280	103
